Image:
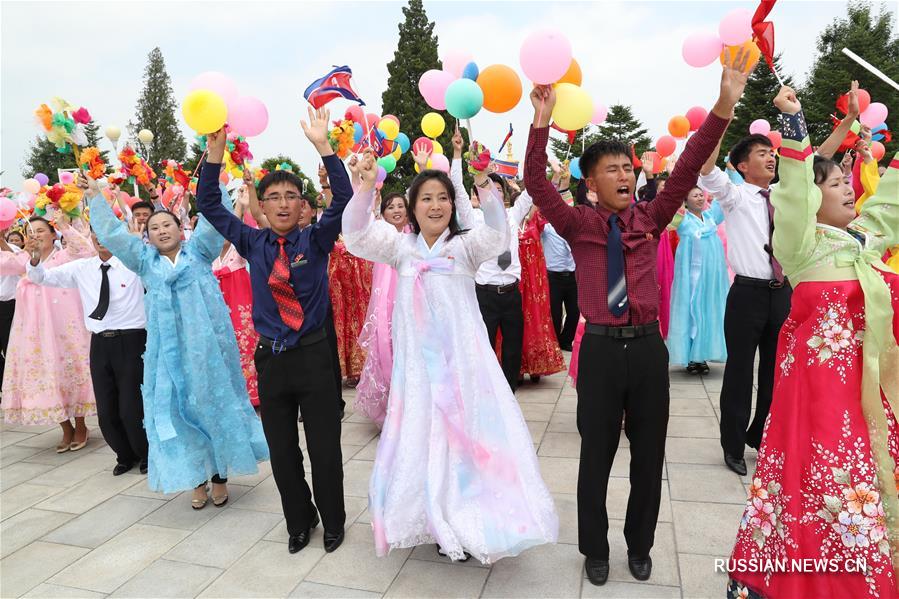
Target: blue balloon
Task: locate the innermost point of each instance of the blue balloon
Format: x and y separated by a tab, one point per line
470	71
880	127
357	132
575	168
402	141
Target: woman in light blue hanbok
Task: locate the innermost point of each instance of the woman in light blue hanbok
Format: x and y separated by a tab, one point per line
699	293
199	421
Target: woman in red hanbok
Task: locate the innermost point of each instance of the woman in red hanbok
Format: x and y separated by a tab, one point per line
825	485
349	282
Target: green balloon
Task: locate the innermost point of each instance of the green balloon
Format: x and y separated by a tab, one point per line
388	162
464	98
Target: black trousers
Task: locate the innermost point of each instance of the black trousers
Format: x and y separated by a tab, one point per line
331	333
117	371
502	311
752	320
563	291
615	377
7	309
301	379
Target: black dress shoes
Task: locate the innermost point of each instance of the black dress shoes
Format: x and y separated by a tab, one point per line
737	464
297	542
333	540
121	469
143	467
640	568
597	570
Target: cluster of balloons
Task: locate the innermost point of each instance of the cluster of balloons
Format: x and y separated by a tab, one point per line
433	126
214	100
679	127
763	127
701	48
462	88
382	135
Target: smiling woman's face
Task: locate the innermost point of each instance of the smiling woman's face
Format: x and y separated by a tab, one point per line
837	200
433	208
163	232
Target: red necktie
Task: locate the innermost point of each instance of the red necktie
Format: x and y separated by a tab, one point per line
279	282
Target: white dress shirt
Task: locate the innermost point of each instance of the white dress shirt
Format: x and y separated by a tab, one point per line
489	273
746	221
8	282
126	293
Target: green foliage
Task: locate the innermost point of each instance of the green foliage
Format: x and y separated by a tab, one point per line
756	103
156	110
271	164
43	157
869	34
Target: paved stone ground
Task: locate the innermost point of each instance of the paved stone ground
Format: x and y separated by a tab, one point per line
71	529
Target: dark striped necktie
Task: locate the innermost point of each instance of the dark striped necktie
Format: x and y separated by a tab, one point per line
617	282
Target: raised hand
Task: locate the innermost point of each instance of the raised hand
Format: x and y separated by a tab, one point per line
787	102
215	146
543	98
457	142
316	130
86	183
368	171
852	110
647	161
734	76
421	156
248	177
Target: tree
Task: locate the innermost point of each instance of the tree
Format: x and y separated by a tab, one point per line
416	53
309	190
621	125
196	151
869	35
756	103
156	111
43	157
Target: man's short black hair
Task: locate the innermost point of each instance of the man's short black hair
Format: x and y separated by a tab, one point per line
282	176
596	151
741	150
143	204
506	190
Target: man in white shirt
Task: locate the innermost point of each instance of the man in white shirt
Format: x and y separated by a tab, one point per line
759	299
113	300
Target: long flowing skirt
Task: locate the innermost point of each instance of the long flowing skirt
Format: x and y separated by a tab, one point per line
238	294
349	281
815	494
665	267
540	353
375	340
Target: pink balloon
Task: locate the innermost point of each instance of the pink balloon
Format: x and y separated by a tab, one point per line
66	177
382	174
355	114
760	127
7	210
248	116
423	143
432	86
440	162
666	145
875	114
696	116
372	120
216	82
600	112
776	139
454	62
545	56
736	27
701	49
877	150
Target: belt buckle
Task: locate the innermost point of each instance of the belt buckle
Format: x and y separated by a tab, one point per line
108	334
500	289
629	332
775	284
278	346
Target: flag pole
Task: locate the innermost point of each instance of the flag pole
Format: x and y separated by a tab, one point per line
867	65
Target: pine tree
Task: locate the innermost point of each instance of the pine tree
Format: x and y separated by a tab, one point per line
756	103
872	37
309	190
156	109
43	157
416	53
196	151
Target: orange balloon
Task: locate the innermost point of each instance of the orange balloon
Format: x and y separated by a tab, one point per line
754	54
679	126
501	86
573	74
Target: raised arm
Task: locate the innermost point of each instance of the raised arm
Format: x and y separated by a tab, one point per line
564	218
835	139
796	198
880	212
522	207
365	236
206	240
113	234
59	276
326	230
78	245
253	197
702	144
464	209
493	237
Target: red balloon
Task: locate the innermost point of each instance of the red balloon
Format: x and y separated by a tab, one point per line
372	120
355	114
776	139
666	146
696	116
657	162
877	149
864	100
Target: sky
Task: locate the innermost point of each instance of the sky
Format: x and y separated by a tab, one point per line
94	53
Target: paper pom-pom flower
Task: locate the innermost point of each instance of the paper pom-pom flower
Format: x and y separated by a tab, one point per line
92	162
175	174
81	116
63	124
44	116
66	198
479	160
134	167
341	138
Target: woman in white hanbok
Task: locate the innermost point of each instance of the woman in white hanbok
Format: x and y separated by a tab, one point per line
455	463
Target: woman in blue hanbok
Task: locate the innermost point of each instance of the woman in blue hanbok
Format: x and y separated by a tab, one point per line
199	421
699	293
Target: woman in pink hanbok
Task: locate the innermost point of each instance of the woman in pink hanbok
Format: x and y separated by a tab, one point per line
47	378
375	339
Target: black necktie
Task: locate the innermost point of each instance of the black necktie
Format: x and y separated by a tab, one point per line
617	285
103	305
504	260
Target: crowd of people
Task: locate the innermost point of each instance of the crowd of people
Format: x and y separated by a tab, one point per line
199	340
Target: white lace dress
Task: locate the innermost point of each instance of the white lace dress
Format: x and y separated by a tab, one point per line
455	463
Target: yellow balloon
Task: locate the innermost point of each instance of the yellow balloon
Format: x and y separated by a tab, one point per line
438	149
574	107
397	153
750	47
390	128
432	124
205	111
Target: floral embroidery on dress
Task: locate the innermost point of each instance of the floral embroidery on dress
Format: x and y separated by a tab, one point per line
786	365
836	341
